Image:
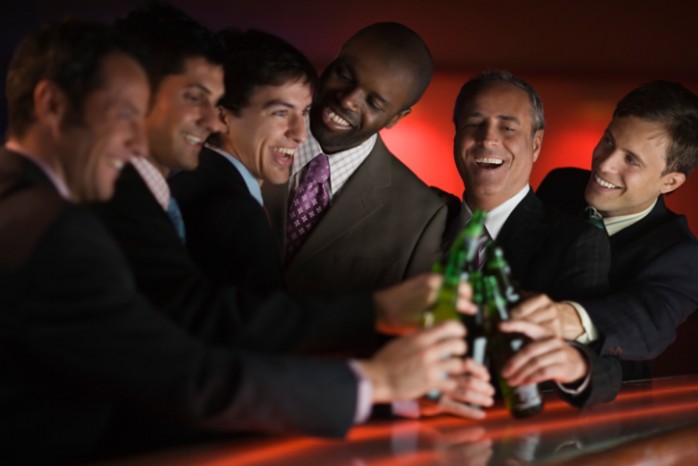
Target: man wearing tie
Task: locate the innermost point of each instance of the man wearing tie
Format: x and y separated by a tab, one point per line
647	151
499	133
269	86
353	216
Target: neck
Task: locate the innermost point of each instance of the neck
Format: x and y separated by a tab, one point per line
164	170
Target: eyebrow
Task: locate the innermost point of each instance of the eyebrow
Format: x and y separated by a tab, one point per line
498	117
200	87
275	102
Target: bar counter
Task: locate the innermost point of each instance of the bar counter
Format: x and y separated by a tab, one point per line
650	423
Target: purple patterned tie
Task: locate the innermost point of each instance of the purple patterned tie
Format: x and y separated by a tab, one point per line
310	199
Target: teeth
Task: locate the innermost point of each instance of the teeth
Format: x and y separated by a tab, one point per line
604	183
489	161
285	150
191	139
118	164
337	119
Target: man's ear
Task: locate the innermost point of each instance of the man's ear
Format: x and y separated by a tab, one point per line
398	117
537	143
671	181
50	104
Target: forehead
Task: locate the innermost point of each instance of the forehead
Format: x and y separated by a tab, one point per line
640	136
499	100
295	92
198	71
379	65
123	78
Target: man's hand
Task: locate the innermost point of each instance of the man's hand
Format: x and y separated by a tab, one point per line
400	307
473	389
410	366
560	318
547	357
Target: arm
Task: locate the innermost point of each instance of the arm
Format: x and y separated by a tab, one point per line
548	357
639	321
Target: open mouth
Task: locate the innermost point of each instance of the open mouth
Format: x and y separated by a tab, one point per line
283	155
603	183
489	163
193	140
333	120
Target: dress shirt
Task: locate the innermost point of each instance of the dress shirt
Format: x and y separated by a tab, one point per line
613	226
251	182
56	180
342	164
498	216
153	179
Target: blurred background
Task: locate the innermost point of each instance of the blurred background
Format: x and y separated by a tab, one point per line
581	56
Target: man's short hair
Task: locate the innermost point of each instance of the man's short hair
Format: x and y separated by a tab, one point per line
254	59
490	77
169	37
676	108
70	54
405	44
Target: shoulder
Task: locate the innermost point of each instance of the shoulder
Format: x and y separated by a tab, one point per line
563	188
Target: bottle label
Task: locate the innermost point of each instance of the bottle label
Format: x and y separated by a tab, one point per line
527	396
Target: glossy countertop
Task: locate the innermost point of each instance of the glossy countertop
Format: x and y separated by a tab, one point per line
650	422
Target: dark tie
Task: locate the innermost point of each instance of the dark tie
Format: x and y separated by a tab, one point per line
481	258
176	217
592	216
310	199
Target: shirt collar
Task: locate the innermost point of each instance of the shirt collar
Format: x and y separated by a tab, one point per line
58	182
496	217
342	164
250	181
621	222
153	179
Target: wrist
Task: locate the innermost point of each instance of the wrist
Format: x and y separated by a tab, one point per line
572	327
379	381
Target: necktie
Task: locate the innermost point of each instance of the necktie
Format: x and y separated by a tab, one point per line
481	258
592	216
310	199
176	217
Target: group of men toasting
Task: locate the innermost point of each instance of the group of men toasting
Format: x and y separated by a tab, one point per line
192	222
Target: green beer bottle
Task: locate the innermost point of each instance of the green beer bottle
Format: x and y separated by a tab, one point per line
524	400
455	269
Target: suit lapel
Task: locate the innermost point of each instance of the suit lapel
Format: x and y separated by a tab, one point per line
359	199
521	233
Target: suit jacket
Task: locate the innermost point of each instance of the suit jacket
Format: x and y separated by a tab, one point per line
228	232
653	277
605	382
383	226
169	278
550	252
77	340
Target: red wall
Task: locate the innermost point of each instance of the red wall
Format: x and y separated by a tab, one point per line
577	112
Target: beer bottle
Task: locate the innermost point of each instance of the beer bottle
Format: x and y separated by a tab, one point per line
459	261
477	333
524	400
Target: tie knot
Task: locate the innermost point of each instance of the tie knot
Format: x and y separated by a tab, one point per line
594	217
318	169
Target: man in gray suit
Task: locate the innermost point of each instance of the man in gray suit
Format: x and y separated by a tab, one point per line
380	223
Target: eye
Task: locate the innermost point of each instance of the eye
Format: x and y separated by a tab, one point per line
607	141
194	98
280	113
632	160
375	104
343	74
306	111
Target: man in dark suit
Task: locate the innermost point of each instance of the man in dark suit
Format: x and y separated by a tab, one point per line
647	151
380	223
79	342
499	125
269	85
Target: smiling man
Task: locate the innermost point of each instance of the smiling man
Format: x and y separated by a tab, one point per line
269	86
499	132
353	216
648	150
